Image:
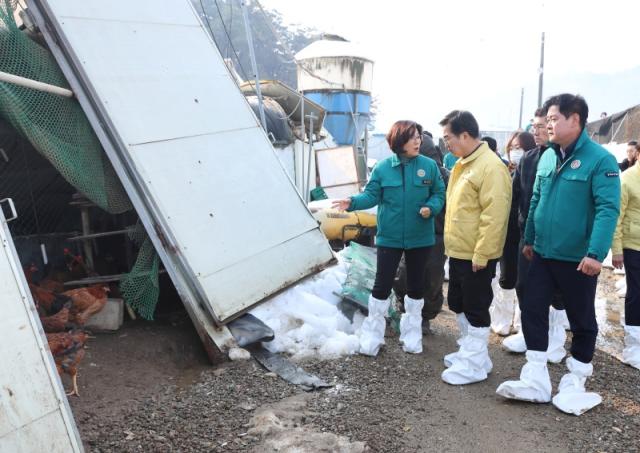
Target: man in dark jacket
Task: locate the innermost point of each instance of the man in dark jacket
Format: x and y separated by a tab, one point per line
632	156
434	269
523	180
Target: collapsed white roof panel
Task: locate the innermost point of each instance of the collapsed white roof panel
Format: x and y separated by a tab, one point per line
224	217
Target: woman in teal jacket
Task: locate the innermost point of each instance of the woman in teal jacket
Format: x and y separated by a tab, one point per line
409	192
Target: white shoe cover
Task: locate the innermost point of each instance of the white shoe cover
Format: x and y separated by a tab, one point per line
563	318
373	327
517	321
631	351
411	325
502	309
534	384
572	397
557	336
515	343
463	328
471	362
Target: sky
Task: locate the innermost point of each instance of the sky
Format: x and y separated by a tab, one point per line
433	57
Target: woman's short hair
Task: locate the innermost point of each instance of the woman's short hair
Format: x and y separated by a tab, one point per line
400	133
526	140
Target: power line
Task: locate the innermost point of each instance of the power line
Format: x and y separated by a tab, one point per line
289	51
226	32
302	66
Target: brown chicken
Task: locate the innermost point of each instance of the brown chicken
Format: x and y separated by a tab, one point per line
58	322
86	302
47	300
67	349
48	283
51	285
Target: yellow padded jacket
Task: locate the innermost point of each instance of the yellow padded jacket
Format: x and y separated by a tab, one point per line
478	204
627	235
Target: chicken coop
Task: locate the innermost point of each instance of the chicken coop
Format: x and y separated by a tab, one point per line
75	224
59	231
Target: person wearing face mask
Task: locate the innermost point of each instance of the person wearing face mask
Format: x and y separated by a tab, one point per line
516	147
409	191
503	311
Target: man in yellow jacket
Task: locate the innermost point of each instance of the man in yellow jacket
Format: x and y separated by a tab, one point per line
626	250
478	204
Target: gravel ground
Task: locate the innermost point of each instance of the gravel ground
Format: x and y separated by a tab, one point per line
150	388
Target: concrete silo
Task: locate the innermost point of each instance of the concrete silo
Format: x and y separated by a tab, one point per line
337	75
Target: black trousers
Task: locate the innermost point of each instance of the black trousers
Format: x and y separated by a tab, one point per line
578	292
509	259
388	259
470	292
523	270
632	300
432	281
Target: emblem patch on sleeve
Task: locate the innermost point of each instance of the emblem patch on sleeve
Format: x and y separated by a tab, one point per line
611	174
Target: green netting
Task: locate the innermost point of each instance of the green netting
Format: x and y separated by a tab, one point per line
58	128
140	286
361	277
55	125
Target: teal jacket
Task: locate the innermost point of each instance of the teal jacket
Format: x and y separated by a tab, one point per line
400	190
449	161
575	204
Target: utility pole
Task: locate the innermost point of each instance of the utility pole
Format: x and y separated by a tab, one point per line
541	71
521	102
307	191
254	65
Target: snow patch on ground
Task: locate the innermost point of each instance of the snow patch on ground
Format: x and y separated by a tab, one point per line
306	320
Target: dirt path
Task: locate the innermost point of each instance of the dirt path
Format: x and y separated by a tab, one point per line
149	388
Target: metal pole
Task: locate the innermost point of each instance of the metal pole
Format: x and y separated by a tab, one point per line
541	71
254	65
366	151
304	132
521	102
34	84
307	194
86	229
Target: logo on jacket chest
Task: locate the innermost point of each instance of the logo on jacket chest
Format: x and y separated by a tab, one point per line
421	173
576	164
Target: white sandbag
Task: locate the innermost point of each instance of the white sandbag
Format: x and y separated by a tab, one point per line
307	321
